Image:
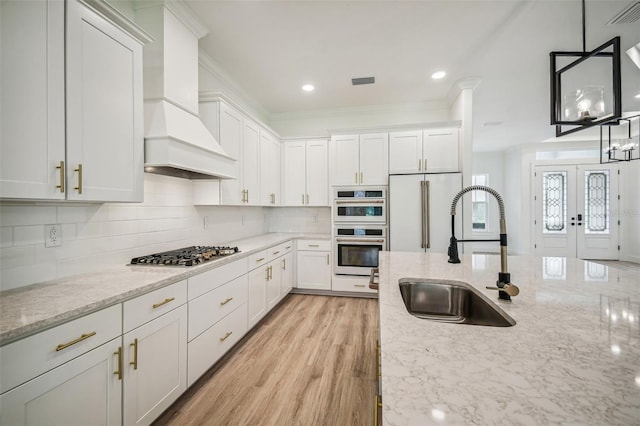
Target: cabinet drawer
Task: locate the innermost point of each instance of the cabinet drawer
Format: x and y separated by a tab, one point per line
200	284
209	308
151	305
279	250
354	284
258	259
207	348
314	245
25	359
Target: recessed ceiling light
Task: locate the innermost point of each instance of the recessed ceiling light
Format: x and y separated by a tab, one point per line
308	88
438	75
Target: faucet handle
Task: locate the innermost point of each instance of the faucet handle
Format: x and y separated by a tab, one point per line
510	289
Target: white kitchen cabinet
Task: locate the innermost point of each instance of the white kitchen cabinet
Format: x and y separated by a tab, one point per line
251	162
84	391
305	173
360	159
257	299
45	376
424	151
286	263
32	138
269	169
155	372
72	128
313	264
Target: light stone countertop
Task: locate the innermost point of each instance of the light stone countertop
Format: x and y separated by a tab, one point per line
29	310
573	356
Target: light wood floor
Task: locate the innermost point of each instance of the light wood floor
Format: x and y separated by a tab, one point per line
310	362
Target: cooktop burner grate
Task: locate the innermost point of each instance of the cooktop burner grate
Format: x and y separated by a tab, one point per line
186	256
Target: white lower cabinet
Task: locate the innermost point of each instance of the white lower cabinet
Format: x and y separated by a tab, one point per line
257	305
313	264
286	264
84	391
155	348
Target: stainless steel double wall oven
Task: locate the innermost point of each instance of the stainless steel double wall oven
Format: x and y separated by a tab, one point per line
360	229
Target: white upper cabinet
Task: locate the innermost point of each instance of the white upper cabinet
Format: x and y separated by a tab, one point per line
32	138
252	145
360	159
424	151
305	173
269	169
101	156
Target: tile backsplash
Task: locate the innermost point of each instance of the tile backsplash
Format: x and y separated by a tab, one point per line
99	236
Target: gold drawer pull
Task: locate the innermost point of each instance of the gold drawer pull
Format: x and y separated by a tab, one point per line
288	247
376	418
164	302
135	354
260	260
226	301
73	342
313	245
61	168
222	339
359	285
119	354
276	252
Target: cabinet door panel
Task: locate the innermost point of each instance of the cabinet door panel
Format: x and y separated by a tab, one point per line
405	152
161	373
32	133
294	171
251	162
374	159
84	391
317	174
286	263
257	299
273	284
314	270
440	150
345	163
231	141
104	109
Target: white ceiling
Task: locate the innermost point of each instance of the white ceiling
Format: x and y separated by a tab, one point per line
271	48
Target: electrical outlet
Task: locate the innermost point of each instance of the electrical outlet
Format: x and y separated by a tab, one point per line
52	235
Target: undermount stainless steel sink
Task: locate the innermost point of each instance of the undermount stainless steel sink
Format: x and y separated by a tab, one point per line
451	301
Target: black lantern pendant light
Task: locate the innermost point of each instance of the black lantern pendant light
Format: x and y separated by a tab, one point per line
585	86
618	142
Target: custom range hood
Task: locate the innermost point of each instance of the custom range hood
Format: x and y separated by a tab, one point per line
176	142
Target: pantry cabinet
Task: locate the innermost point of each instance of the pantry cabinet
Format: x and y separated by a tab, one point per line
72	118
305	173
432	150
360	159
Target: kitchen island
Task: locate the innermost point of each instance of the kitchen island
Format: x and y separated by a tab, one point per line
573	356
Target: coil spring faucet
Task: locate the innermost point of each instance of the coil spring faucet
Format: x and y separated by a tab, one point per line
503	285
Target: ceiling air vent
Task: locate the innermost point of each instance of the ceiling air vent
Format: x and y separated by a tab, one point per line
628	16
363	80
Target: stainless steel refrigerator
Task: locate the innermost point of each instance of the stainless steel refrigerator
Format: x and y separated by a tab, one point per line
420	211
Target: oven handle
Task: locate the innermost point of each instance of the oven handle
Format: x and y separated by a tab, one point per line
360	202
358	240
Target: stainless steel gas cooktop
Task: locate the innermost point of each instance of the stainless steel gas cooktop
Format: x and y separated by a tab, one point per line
186	256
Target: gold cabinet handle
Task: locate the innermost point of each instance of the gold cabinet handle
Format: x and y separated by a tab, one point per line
359	285
284	264
266	271
228	333
313	245
287	248
119	371
356	177
164	302
61	168
270	272
276	252
424	161
419	164
307	198
361	177
273	198
74	341
79	187
302	198
226	301
327	259
260	260
378	405
135	354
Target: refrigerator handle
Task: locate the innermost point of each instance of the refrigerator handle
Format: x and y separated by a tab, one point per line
428	197
422	215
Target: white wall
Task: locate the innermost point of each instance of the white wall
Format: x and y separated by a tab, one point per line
630	211
320	123
98	236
